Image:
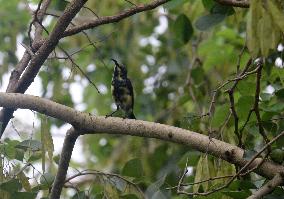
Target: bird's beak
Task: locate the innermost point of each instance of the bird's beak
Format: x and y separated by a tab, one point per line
116	63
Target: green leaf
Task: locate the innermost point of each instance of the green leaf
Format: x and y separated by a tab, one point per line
246	185
46	140
183	28
79	195
133	168
128	196
277	193
280	93
220	115
245	87
47	179
208	4
197	75
43	144
174	4
111	192
24	195
237	194
208	21
40	187
278	108
277	155
235	185
222	9
243	106
56	159
277	14
24	180
271	127
11	186
268	115
252	28
191	158
33	145
35	156
265	97
9	148
19	155
265	28
204	170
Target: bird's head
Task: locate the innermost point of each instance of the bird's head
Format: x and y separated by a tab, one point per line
119	70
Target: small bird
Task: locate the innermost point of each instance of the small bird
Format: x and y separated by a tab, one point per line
122	91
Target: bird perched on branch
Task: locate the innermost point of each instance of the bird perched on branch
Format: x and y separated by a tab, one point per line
122	91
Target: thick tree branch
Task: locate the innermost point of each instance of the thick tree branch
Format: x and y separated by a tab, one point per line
92	124
49	45
20	67
40	15
68	145
42	54
113	19
235	3
6	114
268	187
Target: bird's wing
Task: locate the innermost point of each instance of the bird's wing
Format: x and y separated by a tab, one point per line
130	88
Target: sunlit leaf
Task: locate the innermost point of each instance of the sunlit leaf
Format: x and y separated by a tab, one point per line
277	14
252	28
265	29
24	180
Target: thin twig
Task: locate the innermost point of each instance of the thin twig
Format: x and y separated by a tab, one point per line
241	171
28	49
34	20
115	18
268	187
256	103
83	73
201	181
182	177
95	172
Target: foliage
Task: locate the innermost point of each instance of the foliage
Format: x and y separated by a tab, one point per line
178	57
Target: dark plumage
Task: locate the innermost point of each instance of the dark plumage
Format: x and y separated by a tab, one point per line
122	90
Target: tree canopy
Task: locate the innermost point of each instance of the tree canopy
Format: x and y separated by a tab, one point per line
208	84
